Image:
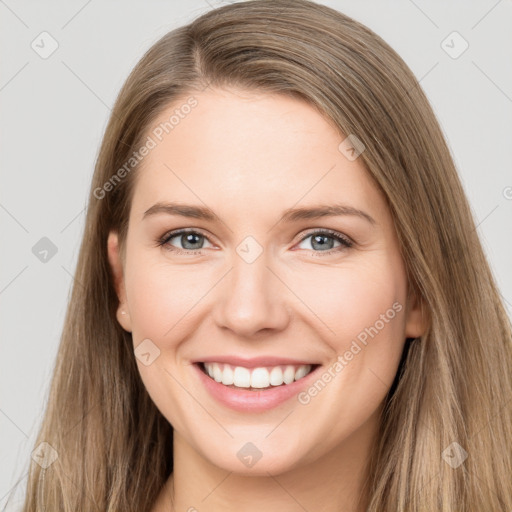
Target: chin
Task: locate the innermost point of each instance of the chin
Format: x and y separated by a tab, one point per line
256	458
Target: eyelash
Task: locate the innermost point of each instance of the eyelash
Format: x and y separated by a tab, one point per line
346	243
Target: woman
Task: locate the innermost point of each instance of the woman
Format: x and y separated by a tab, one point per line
334	341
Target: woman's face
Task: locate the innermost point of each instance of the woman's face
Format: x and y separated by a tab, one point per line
256	285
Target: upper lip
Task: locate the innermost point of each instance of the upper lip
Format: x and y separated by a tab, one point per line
255	362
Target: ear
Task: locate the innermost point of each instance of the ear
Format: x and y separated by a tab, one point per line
116	264
416	317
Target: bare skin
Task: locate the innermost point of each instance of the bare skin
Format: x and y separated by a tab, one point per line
249	157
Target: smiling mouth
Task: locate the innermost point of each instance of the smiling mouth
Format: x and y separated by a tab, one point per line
256	379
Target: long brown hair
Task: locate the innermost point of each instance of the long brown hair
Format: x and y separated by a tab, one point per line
113	446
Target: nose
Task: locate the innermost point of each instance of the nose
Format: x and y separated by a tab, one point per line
252	299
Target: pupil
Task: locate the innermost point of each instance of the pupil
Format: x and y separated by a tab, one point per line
189	238
322	244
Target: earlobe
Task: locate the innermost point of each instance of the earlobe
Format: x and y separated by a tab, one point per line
114	258
123	318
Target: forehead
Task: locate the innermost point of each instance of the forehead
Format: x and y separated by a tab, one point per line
251	152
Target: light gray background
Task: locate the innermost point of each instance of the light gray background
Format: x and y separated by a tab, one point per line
54	112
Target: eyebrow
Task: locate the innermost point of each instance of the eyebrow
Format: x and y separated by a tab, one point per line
289	215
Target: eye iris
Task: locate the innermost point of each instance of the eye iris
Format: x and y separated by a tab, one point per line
186	238
323	245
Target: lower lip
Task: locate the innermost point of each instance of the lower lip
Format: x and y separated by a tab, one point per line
253	401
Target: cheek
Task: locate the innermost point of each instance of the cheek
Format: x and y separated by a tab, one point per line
161	302
162	297
365	307
353	298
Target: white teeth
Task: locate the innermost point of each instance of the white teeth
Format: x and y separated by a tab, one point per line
259	378
289	375
217	372
227	375
276	376
242	377
301	372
